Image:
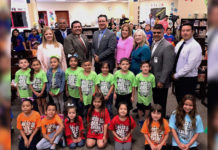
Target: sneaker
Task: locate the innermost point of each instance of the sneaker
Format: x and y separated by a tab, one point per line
141	122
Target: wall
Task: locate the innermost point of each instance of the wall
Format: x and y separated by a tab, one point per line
87	12
186	9
146	5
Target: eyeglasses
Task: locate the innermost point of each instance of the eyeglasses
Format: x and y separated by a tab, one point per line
156	32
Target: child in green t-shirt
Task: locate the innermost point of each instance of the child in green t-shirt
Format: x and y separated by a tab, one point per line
37	84
56	83
71	76
124	81
21	79
145	81
105	82
87	85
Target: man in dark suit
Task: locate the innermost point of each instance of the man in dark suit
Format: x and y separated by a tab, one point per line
62	32
104	44
162	60
76	44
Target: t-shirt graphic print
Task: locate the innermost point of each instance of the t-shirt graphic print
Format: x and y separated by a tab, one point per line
123	86
144	88
87	87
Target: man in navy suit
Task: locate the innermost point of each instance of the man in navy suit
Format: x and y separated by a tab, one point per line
62	32
104	44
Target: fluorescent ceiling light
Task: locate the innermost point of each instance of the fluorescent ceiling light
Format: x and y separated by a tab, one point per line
60	0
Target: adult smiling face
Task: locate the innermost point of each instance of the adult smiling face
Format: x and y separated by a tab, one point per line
102	22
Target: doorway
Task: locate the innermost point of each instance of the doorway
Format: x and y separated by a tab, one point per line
43	18
63	14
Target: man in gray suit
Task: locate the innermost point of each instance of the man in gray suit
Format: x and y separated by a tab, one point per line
162	60
76	44
104	44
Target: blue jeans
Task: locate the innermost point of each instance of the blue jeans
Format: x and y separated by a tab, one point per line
109	104
80	144
78	104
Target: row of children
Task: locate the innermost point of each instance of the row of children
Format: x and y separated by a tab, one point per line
81	83
185	124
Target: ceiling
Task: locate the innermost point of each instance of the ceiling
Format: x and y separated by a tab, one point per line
70	1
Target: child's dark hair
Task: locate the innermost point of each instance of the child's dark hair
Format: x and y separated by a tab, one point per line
102	108
14	38
154	108
124	59
105	63
54	57
35	30
145	62
71	57
86	60
180	113
23	59
32	71
76	120
128	110
27	100
51	104
169	29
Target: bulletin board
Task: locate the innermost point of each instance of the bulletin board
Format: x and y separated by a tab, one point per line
158	12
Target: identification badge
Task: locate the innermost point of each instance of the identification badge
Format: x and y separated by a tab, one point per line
155	59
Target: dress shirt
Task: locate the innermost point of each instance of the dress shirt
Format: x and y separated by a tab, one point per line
156	45
189	59
65	32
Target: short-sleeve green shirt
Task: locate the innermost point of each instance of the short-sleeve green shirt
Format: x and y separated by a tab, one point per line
71	77
105	82
145	85
124	82
87	84
38	80
21	79
54	88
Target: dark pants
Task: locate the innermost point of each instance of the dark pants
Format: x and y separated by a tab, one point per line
78	104
32	146
177	148
160	97
185	85
124	98
147	147
98	67
109	104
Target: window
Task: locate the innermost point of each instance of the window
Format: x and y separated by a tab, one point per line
19	19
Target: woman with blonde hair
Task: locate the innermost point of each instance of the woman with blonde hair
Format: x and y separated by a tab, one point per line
50	47
141	51
125	43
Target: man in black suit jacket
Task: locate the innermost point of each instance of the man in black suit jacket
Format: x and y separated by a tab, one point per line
62	32
104	44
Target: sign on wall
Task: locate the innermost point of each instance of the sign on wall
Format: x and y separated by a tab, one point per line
158	12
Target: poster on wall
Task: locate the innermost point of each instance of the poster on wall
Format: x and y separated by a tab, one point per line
158	12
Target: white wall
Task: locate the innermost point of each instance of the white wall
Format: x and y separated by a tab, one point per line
86	12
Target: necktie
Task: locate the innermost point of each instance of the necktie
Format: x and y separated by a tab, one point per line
64	35
177	57
82	44
99	38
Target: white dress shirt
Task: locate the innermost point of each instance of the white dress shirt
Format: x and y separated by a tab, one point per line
189	59
155	46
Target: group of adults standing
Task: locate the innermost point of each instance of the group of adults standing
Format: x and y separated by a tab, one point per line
167	63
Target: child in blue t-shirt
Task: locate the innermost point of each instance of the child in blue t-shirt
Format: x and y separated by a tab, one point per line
186	124
34	36
169	37
149	33
17	41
